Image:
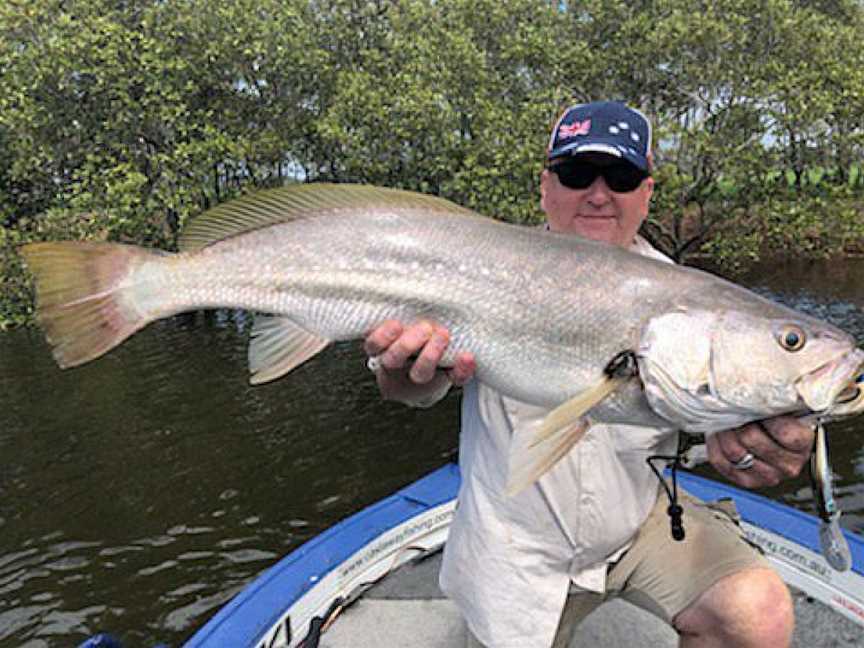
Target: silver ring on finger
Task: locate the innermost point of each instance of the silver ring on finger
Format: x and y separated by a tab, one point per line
744	463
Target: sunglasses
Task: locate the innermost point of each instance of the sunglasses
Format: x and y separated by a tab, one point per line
619	177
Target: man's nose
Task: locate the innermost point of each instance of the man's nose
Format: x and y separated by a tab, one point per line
599	192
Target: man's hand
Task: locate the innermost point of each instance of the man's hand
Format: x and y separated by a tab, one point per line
394	344
780	448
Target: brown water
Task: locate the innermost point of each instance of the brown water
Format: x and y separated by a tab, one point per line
142	491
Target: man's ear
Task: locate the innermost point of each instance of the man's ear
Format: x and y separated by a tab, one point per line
649	191
544	179
650	185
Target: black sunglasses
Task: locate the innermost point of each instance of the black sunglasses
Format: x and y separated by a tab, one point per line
620	177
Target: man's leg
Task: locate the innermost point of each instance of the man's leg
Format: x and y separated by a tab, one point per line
749	608
577	607
713	588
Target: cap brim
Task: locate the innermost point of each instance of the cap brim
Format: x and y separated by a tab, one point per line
599	147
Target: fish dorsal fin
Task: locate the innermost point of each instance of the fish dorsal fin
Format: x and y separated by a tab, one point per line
281	205
278	345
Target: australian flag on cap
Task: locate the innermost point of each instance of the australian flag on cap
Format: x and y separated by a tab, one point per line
602	127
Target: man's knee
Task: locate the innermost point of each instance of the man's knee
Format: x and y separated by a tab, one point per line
752	607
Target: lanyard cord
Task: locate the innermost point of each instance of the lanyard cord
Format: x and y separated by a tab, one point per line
674	511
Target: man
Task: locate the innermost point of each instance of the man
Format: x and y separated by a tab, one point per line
525	570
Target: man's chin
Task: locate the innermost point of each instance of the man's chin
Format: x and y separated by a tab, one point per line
597	229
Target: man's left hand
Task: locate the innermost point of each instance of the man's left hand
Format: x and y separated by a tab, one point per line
780	447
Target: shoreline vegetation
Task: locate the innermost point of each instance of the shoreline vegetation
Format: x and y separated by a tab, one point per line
123	121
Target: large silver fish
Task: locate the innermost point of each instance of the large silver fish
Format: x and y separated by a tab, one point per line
545	314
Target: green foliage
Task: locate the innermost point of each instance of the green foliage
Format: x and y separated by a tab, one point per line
122	120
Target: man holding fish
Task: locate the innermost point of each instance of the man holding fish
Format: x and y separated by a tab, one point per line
525	569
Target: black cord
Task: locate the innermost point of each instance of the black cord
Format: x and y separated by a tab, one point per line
674	511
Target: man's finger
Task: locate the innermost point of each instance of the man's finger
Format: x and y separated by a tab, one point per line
382	337
761	475
426	363
724	450
463	369
794	435
764	445
730	445
407	344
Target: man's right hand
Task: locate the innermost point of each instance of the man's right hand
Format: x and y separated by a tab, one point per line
395	343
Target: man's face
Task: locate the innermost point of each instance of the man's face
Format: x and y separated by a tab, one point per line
596	212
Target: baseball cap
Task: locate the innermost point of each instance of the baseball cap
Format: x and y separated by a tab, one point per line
602	127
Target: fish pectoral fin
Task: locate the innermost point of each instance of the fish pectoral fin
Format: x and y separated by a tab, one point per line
565	426
278	345
575	408
524	473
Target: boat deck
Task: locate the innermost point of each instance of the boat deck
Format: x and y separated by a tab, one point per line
408	610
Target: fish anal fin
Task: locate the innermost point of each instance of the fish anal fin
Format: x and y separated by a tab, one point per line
525	469
278	345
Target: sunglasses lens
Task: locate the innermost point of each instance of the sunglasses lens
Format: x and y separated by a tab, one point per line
620	178
623	178
576	176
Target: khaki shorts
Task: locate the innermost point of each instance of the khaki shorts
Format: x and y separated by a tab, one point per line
661	575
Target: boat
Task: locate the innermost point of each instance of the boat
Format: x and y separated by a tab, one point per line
371	580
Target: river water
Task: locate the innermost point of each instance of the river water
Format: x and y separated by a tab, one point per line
140	492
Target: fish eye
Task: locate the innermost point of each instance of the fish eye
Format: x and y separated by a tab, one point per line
792	338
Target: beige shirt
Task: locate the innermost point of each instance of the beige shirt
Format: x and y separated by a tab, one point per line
510	561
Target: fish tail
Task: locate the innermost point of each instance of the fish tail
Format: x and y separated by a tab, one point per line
82	296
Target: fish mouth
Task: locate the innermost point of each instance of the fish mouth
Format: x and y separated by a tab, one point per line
837	387
851	393
850	401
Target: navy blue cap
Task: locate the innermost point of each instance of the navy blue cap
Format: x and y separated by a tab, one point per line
608	127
